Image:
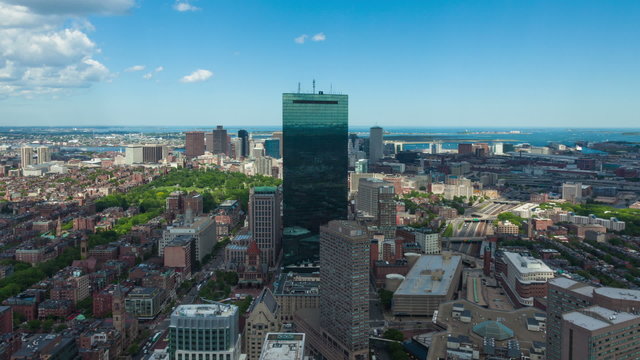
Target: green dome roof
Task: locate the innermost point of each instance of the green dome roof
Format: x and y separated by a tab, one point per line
493	329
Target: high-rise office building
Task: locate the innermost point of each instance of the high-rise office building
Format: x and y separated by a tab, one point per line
344	285
265	211
133	154
220	141
315	169
243	135
194	144
138	154
152	153
235	148
26	156
199	332
44	154
376	146
272	148
278	135
208	141
376	198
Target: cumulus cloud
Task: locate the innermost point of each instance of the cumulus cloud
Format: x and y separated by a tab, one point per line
301	39
183	6
45	46
197	76
135	68
150	75
319	37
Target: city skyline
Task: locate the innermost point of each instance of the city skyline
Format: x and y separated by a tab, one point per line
124	62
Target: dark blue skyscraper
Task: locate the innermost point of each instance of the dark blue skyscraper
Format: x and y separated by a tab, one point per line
272	148
244	148
315	136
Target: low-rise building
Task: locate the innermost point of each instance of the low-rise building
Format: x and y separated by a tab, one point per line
295	291
144	303
432	280
47	346
523	276
57	308
283	346
429	241
180	254
507	228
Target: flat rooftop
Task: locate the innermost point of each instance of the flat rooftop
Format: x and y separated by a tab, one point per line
527	264
283	346
430	275
143	291
205	310
596	317
197	224
620	294
297	284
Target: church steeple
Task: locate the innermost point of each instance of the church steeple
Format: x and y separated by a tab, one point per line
59	227
84	247
118	311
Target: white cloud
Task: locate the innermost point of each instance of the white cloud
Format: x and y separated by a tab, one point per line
319	37
135	68
183	6
45	46
197	76
150	75
301	39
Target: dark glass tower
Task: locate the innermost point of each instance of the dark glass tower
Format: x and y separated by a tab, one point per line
315	134
244	149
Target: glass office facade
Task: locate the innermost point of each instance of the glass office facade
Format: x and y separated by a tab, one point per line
315	134
272	148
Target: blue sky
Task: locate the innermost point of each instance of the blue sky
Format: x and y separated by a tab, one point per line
410	63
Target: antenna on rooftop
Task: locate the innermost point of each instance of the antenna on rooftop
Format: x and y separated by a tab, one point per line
330	88
298	87
314	86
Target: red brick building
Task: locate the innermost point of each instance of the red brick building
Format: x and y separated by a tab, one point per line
6	319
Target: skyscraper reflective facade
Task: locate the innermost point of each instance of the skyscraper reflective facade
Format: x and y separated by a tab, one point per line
244	144
315	134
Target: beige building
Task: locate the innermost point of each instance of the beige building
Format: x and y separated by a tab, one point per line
507	228
339	330
295	291
262	319
202	229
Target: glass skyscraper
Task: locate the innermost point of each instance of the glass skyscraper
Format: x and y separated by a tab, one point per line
315	134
